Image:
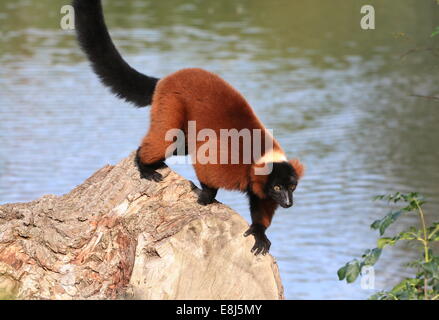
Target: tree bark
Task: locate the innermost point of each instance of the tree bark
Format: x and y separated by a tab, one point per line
117	236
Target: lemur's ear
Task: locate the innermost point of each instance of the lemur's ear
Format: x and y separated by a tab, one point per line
298	167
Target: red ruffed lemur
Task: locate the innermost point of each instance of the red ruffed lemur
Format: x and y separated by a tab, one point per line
192	95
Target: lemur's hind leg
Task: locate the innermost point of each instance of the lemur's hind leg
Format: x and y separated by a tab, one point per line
207	195
166	115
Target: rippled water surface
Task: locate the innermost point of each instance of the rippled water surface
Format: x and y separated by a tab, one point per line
336	96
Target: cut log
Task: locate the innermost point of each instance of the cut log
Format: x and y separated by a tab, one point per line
117	236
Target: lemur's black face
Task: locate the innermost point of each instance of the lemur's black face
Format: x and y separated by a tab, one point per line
281	184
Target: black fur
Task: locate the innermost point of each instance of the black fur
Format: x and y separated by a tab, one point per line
106	61
283	173
285	178
262	244
148	171
207	195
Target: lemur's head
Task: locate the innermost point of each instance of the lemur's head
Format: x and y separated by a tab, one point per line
280	183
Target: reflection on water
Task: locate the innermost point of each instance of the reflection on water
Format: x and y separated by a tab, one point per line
336	96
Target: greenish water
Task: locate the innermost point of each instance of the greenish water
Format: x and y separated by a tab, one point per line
336	96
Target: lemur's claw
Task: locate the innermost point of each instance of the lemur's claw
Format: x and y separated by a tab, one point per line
151	176
157	177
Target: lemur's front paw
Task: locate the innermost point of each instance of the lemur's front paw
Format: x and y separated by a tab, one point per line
152	176
262	244
204	200
148	173
206	195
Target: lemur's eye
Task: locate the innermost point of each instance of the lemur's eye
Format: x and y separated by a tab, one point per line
293	187
276	188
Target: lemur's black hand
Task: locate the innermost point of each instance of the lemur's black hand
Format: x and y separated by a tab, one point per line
262	244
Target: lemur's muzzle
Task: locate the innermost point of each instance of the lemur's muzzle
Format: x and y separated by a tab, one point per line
286	199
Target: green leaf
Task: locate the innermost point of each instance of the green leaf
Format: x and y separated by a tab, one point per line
408	289
371	256
432	268
342	272
352	271
384	223
379	197
376	224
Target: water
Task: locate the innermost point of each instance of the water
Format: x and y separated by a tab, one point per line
336	96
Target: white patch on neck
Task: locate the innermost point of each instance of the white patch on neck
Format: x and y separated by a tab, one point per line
272	156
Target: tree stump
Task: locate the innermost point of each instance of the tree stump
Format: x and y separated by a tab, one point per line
117	236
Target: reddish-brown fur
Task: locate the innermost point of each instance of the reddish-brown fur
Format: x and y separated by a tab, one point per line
201	96
298	167
267	207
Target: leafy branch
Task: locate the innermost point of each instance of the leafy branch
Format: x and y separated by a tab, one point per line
425	284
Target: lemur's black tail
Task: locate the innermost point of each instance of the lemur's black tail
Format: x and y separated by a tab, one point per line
106	61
